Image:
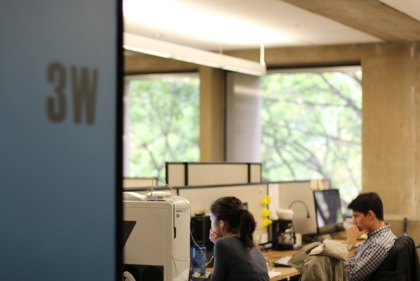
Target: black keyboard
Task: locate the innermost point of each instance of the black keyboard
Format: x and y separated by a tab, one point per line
282	262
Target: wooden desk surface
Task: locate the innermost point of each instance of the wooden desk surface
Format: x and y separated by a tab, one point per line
271	256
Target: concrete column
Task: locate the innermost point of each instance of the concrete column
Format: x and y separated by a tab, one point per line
391	130
212	114
243	134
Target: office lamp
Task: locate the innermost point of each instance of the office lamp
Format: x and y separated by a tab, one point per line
299	201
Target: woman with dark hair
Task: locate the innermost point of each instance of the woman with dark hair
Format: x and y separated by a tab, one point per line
235	255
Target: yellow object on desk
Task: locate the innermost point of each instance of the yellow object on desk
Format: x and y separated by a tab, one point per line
266	222
266	200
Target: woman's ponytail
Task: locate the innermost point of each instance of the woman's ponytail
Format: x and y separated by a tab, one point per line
247	227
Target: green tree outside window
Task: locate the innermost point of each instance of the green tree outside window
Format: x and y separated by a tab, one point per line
163	122
311	128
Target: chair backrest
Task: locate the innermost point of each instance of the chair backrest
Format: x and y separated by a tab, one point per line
401	264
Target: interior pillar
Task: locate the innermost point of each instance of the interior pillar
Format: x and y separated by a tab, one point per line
212	114
391	130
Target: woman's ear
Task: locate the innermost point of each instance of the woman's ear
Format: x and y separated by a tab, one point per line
222	223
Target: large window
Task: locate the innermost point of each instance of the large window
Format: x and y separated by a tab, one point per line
311	127
162	122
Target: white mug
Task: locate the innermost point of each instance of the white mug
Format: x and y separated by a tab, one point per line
298	239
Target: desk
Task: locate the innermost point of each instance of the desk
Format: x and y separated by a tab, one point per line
271	256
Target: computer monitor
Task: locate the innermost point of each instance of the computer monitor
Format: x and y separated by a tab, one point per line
329	216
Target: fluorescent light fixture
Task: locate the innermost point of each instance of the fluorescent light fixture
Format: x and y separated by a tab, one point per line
159	48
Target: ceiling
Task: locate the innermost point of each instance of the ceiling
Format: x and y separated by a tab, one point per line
409	7
246	24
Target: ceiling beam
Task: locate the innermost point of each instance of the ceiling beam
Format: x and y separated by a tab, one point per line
369	16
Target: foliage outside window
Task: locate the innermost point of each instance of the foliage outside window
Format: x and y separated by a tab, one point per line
163	112
311	127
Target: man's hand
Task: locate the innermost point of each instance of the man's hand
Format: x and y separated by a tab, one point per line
353	233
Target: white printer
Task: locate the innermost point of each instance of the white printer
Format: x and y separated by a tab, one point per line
156	233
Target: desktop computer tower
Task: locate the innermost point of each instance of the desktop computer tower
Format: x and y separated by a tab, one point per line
200	231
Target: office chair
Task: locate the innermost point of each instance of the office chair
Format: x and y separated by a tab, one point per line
401	264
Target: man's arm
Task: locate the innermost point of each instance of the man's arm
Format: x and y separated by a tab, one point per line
365	262
353	233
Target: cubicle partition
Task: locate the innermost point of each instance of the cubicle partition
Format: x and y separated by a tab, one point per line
139	182
211	173
201	197
251	195
202	183
298	196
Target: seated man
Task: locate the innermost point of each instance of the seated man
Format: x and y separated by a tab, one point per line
367	217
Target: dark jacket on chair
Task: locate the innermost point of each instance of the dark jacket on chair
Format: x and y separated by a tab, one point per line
401	264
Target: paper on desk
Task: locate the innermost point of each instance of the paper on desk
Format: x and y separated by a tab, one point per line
273	273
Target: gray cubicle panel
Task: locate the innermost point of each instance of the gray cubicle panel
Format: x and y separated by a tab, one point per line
202	197
283	194
211	173
139	182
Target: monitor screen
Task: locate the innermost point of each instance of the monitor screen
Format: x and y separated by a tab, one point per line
329	216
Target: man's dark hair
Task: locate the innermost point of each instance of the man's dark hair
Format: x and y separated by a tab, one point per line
368	201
